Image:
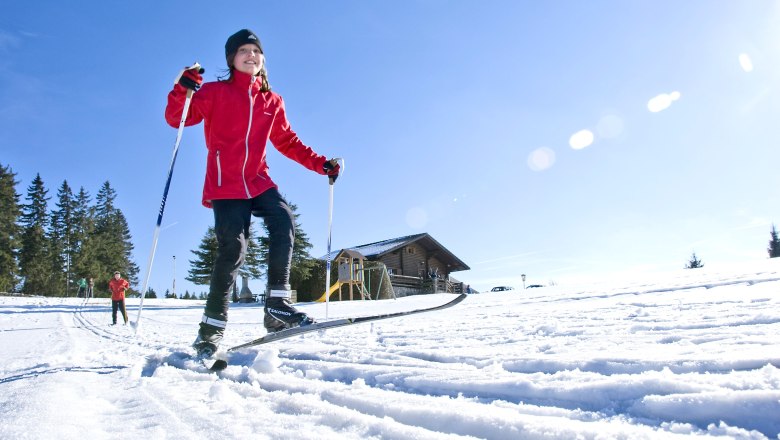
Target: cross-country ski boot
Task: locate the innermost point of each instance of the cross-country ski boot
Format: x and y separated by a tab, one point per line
209	336
280	314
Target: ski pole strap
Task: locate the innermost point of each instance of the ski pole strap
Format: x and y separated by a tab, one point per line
280	294
213	322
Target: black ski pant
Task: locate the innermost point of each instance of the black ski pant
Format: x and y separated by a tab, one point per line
232	219
118	305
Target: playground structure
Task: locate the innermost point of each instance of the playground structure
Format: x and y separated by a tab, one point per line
353	273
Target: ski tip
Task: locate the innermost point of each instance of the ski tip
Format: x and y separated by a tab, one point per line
219	365
212	362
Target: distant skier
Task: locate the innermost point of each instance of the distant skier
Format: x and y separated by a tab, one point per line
82	288
241	114
118	286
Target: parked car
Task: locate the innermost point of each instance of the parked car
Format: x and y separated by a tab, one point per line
534	285
501	289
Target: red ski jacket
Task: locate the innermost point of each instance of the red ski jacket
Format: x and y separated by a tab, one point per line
239	120
117	288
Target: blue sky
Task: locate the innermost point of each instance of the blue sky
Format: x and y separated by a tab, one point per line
454	117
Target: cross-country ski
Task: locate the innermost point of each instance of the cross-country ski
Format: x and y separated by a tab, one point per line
284	334
219	361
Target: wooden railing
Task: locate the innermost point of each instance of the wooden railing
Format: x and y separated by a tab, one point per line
407	285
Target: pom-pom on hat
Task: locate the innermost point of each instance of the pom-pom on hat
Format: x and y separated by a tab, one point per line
240	38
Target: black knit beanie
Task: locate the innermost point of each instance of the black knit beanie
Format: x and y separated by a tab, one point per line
240	38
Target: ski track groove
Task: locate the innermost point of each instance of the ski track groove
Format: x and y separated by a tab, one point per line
161	400
156	400
324	384
124	334
330	404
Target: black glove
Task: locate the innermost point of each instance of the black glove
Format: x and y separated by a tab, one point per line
191	78
332	168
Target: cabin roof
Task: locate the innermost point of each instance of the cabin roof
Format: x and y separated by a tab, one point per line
378	249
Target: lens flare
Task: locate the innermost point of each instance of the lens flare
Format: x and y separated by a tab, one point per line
541	159
610	127
746	62
662	101
581	139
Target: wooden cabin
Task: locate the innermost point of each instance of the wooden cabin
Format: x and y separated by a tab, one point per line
416	264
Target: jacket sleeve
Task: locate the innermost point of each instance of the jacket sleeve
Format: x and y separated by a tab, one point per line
287	142
176	98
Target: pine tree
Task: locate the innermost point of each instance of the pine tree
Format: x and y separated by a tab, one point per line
9	230
254	264
131	269
774	244
203	264
33	256
302	263
112	241
256	260
84	259
694	263
201	268
60	238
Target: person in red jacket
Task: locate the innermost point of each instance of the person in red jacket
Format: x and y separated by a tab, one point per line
240	114
117	286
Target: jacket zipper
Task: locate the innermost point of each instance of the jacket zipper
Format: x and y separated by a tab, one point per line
246	141
219	170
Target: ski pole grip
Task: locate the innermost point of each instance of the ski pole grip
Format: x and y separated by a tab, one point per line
331	179
197	65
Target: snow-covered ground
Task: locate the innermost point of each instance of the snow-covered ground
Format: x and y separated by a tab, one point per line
690	354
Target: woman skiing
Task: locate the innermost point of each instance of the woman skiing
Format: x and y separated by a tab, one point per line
240	114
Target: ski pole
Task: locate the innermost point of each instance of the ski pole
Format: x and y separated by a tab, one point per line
156	234
331	182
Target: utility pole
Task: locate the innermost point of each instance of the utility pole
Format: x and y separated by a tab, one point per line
174	277
67	272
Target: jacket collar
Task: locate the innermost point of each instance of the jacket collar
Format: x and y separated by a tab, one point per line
243	80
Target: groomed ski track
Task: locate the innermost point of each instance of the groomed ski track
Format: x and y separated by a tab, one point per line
545	362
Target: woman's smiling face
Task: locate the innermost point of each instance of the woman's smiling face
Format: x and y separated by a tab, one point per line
249	59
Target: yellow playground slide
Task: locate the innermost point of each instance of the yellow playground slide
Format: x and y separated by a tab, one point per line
333	289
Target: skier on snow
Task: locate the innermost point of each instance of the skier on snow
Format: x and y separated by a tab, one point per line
118	286
240	114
